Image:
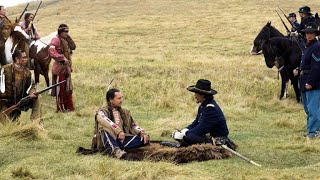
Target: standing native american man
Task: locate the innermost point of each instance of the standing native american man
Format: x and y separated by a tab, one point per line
60	51
15	84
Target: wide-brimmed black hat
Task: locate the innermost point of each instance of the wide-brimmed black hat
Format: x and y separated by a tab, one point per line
311	27
203	86
305	9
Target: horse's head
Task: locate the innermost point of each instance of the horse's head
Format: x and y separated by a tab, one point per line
266	32
16	40
18	33
269	53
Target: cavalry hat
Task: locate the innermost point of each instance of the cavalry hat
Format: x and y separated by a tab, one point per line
305	9
203	86
311	27
292	15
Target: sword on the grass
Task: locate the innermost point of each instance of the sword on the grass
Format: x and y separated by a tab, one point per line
240	156
235	153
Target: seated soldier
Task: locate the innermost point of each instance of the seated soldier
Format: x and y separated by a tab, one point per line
209	120
15	84
293	21
117	128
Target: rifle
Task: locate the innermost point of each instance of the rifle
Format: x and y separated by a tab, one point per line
37	10
288	31
25	9
286	16
26	99
34	16
240	156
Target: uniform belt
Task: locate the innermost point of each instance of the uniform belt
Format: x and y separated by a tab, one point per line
304	72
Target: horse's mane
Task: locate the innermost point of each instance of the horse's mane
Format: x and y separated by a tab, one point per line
273	29
285	41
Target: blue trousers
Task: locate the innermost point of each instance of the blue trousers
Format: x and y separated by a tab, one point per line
311	105
191	138
129	142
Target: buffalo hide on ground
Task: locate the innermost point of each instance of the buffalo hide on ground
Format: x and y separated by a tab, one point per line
156	152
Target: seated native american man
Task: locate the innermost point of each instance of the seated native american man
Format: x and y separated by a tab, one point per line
15	84
117	128
209	120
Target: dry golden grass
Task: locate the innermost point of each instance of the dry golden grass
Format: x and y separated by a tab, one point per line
155	49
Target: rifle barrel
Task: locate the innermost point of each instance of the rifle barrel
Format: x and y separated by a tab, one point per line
50	87
283	21
25	9
37	10
285	16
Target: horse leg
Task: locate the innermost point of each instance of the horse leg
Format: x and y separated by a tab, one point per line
295	84
36	75
284	84
46	77
286	88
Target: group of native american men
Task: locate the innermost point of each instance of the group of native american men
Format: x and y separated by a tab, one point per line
16	82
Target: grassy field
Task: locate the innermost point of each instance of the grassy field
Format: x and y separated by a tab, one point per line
155	49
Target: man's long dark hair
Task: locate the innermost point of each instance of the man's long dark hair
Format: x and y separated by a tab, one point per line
27	15
111	94
17	54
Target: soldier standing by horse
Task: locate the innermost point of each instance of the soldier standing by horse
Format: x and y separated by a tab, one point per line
306	17
310	80
293	21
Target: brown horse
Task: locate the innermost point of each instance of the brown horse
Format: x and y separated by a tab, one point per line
39	52
17	39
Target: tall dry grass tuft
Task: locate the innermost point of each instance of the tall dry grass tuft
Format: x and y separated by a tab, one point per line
28	132
23	173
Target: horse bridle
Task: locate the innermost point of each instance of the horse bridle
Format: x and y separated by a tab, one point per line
275	51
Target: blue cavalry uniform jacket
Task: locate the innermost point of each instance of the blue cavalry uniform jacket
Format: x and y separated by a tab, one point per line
304	22
310	66
210	119
295	26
